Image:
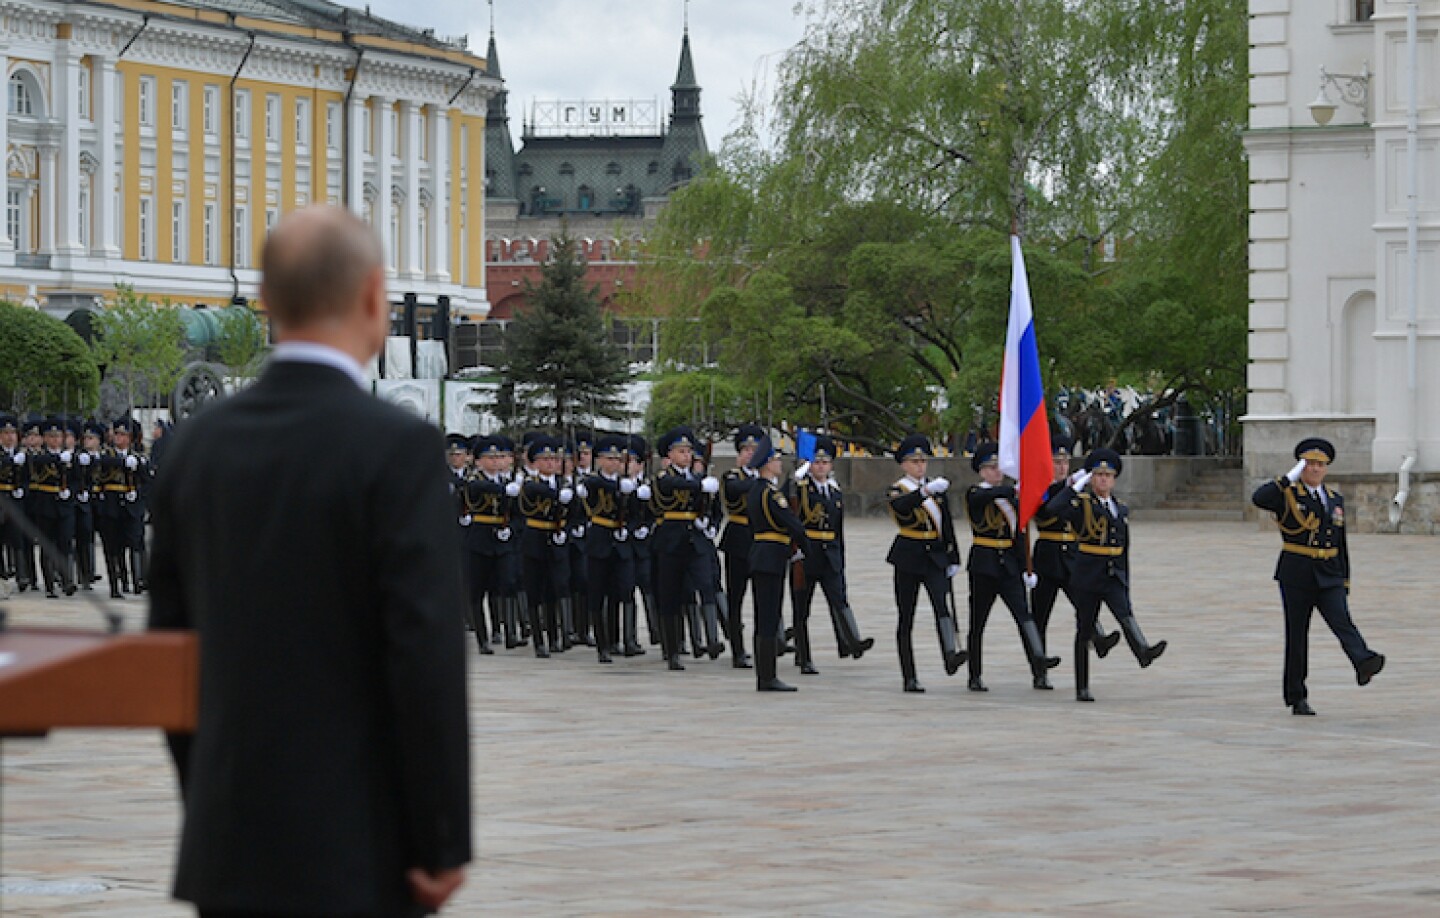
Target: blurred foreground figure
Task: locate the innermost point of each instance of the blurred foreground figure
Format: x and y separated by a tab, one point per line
329	770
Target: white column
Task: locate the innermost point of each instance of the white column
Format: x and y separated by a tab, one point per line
440	201
7	245
410	216
49	154
384	178
67	108
102	196
355	143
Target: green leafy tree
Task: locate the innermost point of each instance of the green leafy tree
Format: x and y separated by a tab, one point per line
140	345
559	356
46	365
241	341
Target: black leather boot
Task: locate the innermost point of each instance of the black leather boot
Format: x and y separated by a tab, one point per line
1035	652
954	657
907	663
739	659
633	647
652	622
766	654
1104	642
802	646
602	633
1145	652
670	628
482	639
697	630
849	629
114	575
509	610
1082	670
580	625
711	616
537	631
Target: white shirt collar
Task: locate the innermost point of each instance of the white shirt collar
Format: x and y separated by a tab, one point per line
323	354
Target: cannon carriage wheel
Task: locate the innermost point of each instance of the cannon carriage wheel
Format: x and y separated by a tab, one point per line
199	384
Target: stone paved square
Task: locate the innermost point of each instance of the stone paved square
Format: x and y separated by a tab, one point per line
1188	789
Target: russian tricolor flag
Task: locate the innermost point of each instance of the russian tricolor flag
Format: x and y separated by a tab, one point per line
1024	428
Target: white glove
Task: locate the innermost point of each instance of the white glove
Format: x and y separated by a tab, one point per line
643	492
627	486
710	532
567	495
84	458
131	463
710	484
66	456
938	486
18	493
131	496
83	497
19	457
798	556
582	491
1294	474
1031	580
577	532
802	471
64	493
465	520
952	570
512	489
558	538
700	524
622	534
1079	480
642	533
503	533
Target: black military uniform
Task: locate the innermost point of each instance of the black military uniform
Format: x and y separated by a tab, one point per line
123	477
1101	571
923	553
545	504
676	503
735	540
776	533
609	554
997	569
1313	570
821	508
640	520
581	450
49	502
12	480
1053	556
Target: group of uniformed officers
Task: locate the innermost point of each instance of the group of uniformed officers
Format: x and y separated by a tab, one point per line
67	481
562	536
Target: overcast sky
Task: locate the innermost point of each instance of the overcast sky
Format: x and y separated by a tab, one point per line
618	49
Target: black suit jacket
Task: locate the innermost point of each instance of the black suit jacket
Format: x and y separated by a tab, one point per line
331	752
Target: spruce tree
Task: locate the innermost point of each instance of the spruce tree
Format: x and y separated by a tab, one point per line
559	358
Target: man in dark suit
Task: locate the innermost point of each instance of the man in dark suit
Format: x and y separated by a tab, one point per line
1314	567
329	772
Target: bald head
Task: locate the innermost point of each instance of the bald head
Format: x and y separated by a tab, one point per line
320	264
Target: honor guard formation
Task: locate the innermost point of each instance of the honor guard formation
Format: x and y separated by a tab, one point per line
567	539
70	480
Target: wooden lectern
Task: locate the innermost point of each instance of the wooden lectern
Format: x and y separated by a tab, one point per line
52	678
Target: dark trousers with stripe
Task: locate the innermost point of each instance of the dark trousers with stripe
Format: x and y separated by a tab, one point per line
1299	603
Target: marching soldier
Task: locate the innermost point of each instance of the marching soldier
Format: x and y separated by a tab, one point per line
776	533
49	495
997	568
479	501
609	554
581	452
457	457
820	506
119	515
735	540
640	520
923	553
12	487
676	504
1314	567
544	502
1054	555
1101	571
703	613
86	466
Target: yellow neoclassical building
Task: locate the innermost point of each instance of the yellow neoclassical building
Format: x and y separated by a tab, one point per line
154	143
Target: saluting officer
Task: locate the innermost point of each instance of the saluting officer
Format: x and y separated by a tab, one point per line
776	533
735	539
923	553
821	508
544	503
997	568
1101	571
1054	554
1314	567
676	503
